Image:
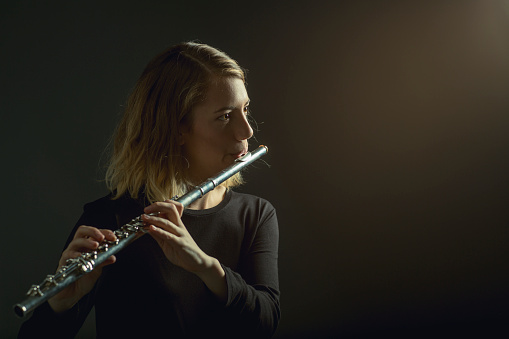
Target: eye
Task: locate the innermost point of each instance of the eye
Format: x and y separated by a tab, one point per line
225	117
246	109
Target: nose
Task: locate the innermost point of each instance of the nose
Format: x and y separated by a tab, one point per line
243	130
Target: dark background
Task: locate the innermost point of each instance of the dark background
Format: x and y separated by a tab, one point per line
387	123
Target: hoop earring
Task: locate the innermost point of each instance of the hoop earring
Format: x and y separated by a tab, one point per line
187	161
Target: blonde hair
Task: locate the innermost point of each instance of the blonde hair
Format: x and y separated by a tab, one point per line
147	158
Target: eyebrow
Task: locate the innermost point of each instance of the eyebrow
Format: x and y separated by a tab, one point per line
231	107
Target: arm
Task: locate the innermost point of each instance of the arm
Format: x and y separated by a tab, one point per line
248	299
253	291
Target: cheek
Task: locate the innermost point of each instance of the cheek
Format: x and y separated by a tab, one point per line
210	134
204	142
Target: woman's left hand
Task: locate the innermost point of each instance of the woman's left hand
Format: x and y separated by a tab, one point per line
172	236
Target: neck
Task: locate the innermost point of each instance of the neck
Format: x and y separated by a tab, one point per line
209	200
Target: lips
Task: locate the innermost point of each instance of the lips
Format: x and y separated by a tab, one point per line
241	153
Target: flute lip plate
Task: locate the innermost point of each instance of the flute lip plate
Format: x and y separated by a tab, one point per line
243	158
248	155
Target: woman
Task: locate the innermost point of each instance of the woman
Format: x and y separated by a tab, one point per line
209	269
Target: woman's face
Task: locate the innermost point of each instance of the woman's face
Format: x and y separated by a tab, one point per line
219	129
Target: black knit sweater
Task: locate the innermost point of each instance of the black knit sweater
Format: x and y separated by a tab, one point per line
143	295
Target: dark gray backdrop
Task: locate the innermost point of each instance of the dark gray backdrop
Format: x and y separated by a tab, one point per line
387	127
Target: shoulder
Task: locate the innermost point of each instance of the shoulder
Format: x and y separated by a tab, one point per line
99	204
252	205
250	200
108	203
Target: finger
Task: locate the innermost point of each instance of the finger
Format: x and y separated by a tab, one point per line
171	208
83	244
178	205
108	234
165	224
111	260
161	236
66	255
88	231
77	247
72	254
155	207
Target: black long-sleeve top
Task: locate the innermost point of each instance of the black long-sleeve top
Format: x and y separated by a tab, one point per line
144	295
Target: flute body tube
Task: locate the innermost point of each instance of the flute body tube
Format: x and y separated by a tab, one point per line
86	262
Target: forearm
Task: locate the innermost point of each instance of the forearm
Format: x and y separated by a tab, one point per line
214	278
256	306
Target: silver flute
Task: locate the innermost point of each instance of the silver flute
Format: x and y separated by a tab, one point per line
85	263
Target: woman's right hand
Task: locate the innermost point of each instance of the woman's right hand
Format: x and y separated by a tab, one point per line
86	239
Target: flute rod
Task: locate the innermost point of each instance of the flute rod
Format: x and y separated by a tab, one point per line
76	268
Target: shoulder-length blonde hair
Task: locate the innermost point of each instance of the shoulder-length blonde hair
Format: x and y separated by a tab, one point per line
147	158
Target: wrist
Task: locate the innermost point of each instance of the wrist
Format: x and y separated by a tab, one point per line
212	269
214	278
